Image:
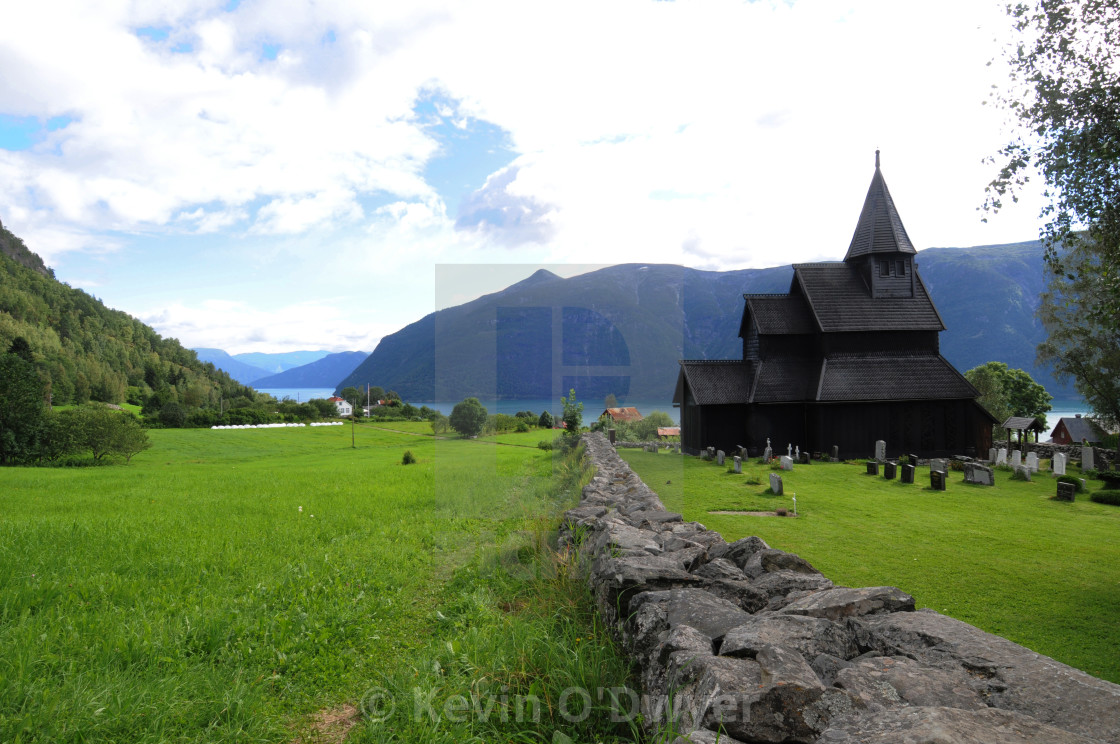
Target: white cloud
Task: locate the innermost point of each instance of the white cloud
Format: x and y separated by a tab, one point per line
718	134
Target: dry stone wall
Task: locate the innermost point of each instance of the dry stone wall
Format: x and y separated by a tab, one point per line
738	642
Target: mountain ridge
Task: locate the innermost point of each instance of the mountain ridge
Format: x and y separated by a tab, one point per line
501	345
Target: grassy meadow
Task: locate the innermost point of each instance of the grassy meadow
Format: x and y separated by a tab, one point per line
279	585
1007	558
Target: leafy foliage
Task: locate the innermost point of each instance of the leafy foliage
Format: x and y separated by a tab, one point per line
1008	392
468	417
1106	497
1065	93
546	421
85	351
572	416
1078	346
21	408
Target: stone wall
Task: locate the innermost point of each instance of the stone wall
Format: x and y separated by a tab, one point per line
738	642
1045	451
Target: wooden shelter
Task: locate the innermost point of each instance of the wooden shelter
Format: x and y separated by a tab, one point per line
848	356
1023	424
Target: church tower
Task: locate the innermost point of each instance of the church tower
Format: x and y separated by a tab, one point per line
880	247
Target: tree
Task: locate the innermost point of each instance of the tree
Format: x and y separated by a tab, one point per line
1065	93
21	409
128	437
21	348
1078	346
545	421
610	401
646	429
572	416
468	417
1009	392
439	423
172	415
353	396
376	393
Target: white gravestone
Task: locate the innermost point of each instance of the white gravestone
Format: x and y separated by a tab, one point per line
1024	471
789	450
776	483
992	454
1001	457
738	464
1016	459
1059	464
1032	461
880	450
787	462
720	455
768	453
1087	458
797	453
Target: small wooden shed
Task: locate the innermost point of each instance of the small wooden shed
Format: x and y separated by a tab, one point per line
1023	424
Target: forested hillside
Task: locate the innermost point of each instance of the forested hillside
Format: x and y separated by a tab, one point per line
86	351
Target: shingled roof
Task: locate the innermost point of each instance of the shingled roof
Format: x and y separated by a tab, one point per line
840	300
780	314
868	378
879	229
1081	429
715	382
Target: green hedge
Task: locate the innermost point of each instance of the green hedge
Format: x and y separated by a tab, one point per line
1106	497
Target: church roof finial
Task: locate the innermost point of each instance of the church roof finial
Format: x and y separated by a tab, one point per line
879	229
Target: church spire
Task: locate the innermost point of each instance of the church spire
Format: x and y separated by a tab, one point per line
879	229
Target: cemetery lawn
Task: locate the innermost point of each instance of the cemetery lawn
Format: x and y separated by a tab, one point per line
231	585
1006	558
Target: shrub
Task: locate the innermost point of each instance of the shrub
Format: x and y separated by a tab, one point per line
1111	479
956	465
522	427
1077	487
468	417
544	444
1106	497
408	458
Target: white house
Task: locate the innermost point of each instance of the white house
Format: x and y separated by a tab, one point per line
344	408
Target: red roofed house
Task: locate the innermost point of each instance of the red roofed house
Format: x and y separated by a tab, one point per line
344	408
622	414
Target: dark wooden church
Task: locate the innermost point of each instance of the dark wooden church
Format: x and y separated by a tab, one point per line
849	356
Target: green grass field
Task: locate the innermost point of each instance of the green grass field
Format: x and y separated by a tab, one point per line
1007	558
229	585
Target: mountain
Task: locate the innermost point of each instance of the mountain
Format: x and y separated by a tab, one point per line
324	373
276	362
622	329
235	368
86	351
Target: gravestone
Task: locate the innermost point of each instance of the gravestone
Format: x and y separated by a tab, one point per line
913	459
705	454
1025	471
1001	456
1087	458
835	453
768	454
937	480
1032	461
789	450
1066	492
940	466
740	450
738	464
1059	463
872	467
889	470
797	453
992	454
720	457
978	474
776	484
907	473
880	450
1016	459
787	462
805	459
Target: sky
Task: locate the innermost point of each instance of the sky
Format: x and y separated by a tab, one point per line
272	176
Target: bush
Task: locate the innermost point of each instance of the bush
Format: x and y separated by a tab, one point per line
1106	497
545	421
468	417
1077	487
544	444
408	458
1111	479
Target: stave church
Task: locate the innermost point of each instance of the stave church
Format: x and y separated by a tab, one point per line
848	356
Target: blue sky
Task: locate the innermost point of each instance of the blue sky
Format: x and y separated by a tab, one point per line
255	180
